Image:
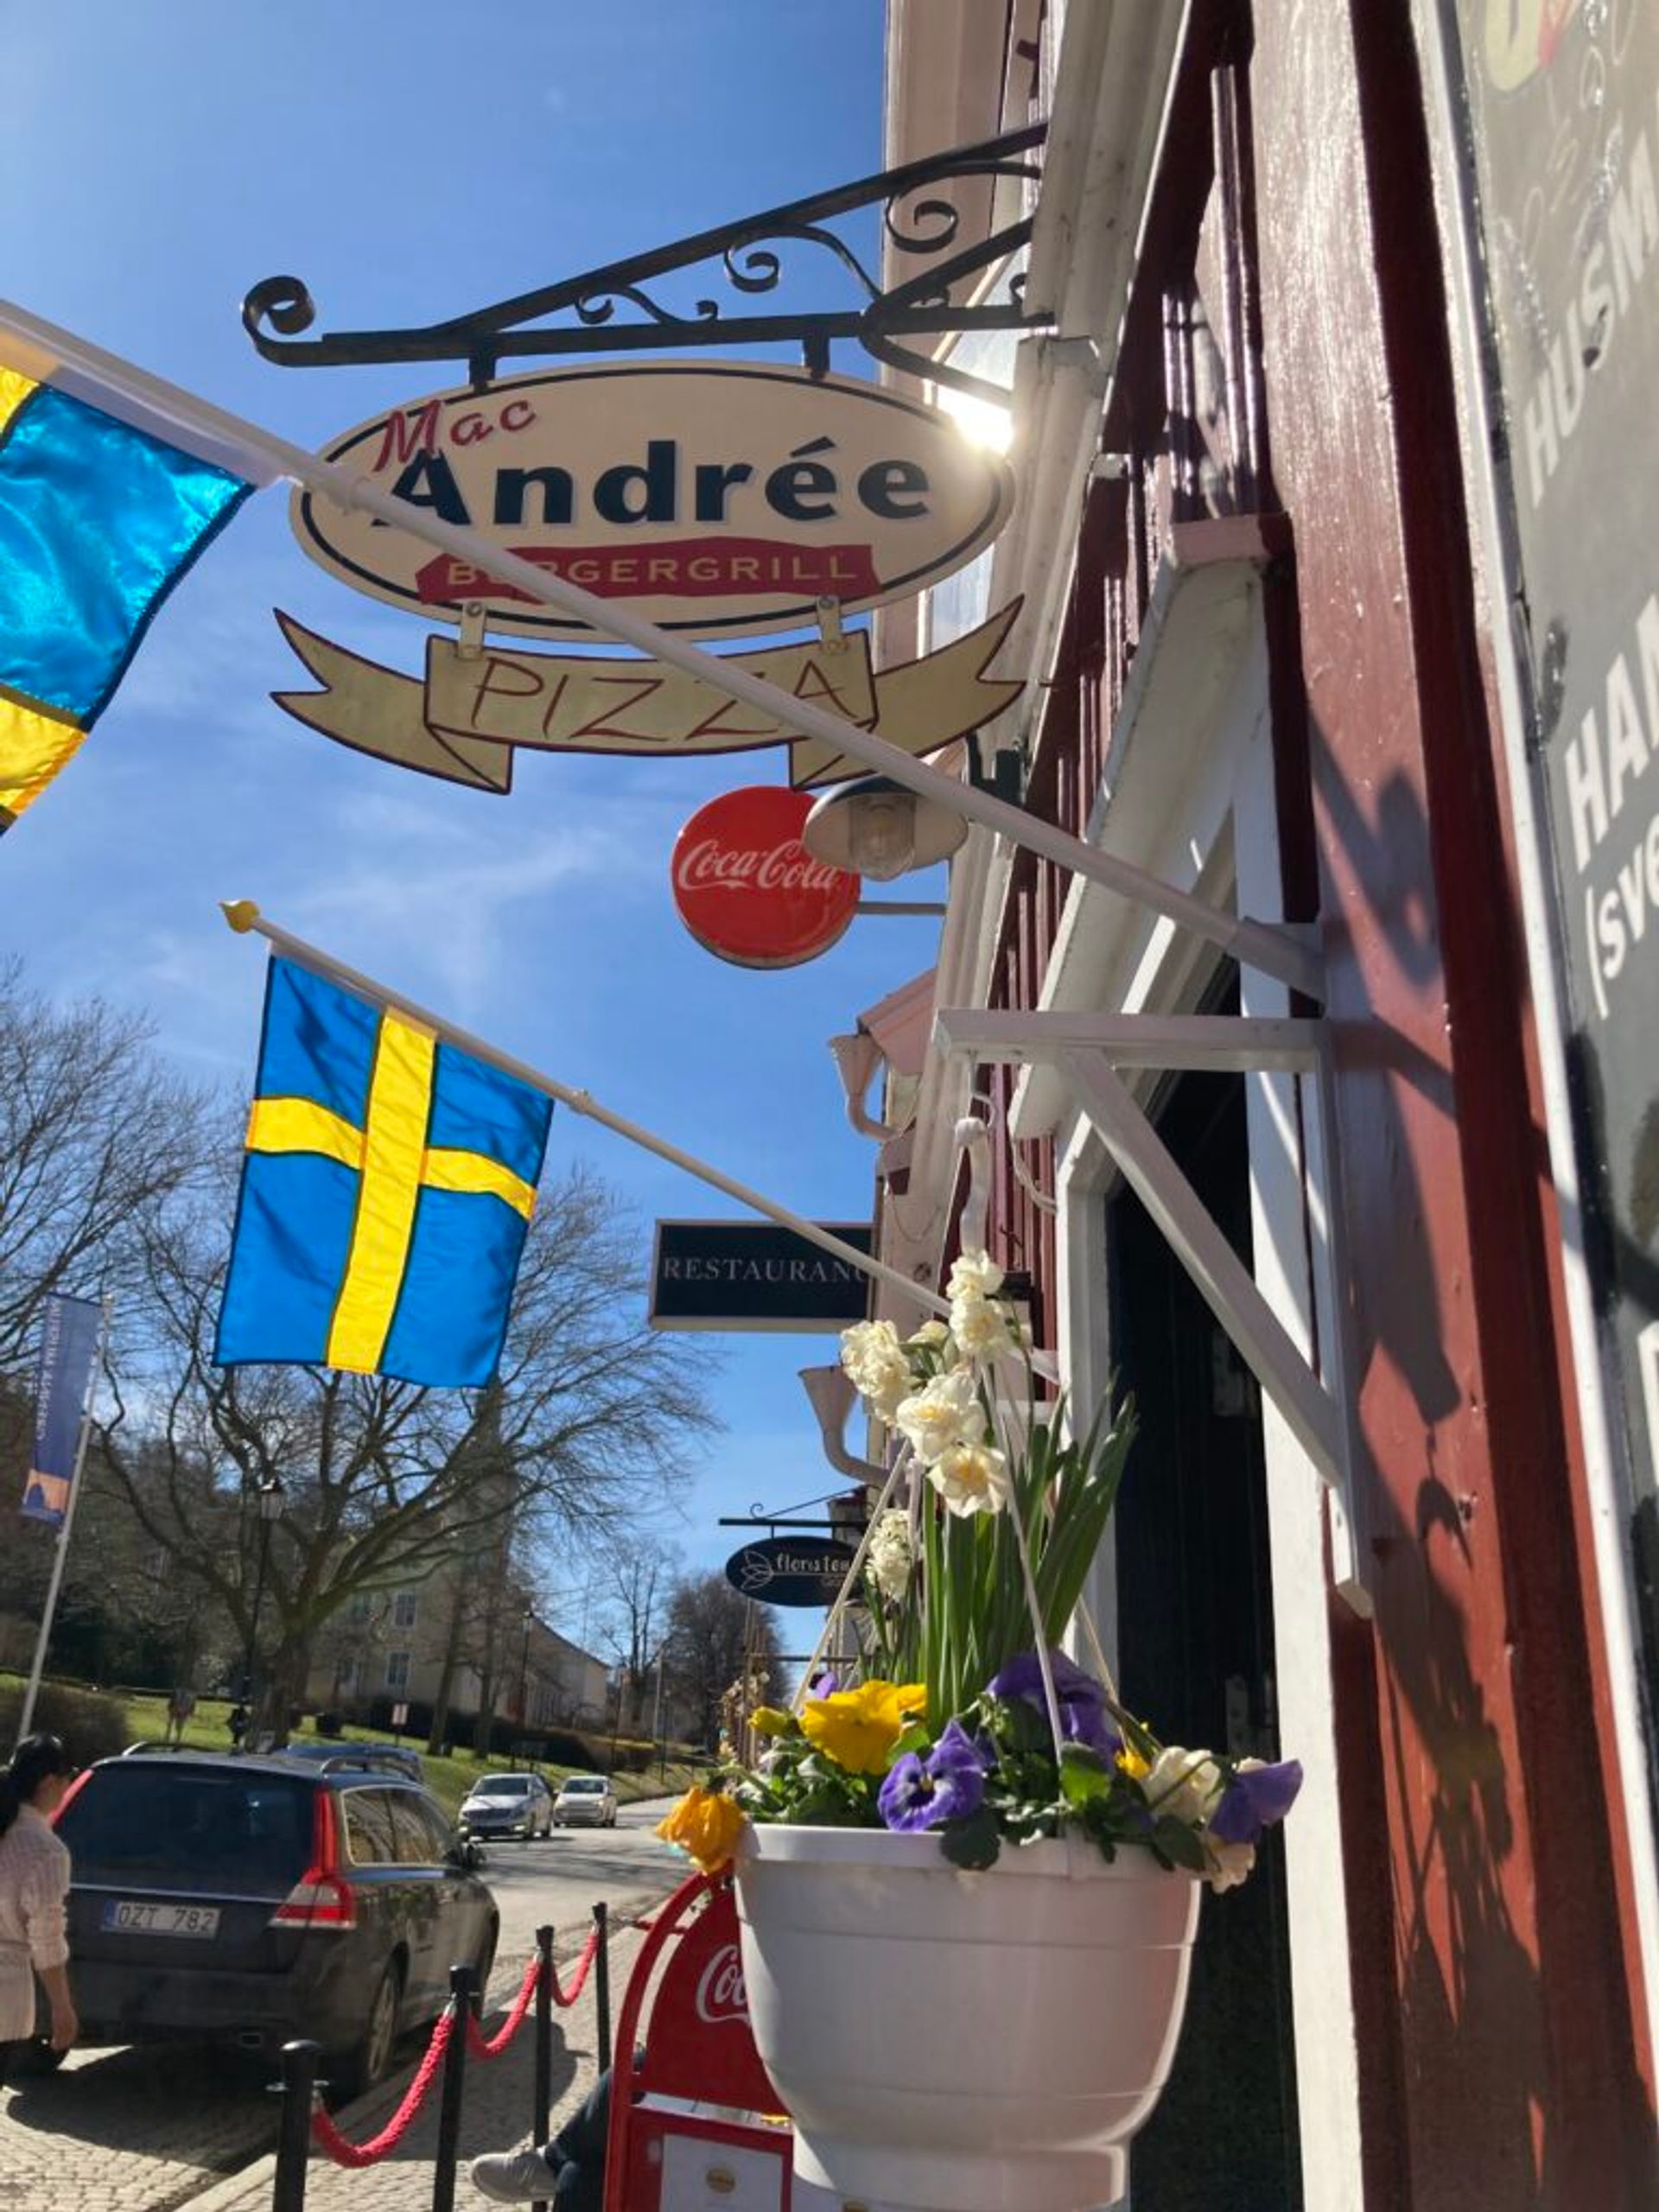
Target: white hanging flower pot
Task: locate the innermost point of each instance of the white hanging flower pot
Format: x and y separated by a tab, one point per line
955	2042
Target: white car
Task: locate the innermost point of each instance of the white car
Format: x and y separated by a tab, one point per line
585	1801
509	1804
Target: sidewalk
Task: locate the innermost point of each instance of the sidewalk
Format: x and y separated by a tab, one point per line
495	2114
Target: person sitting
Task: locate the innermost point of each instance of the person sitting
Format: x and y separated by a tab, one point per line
568	2172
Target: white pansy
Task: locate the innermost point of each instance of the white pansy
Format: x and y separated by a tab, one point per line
891	1555
1185	1784
1229	1863
972	1479
947	1412
874	1361
973	1275
980	1328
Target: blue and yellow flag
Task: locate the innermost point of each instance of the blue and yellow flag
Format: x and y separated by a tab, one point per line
98	520
385	1194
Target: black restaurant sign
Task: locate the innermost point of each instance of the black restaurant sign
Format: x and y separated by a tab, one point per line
751	1275
1563	110
790	1570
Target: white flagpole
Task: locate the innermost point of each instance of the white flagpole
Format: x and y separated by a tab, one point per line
244	916
1276	949
61	1553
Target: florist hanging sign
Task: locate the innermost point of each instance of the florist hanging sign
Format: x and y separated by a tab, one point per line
720	499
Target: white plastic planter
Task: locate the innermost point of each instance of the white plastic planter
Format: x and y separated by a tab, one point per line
963	2042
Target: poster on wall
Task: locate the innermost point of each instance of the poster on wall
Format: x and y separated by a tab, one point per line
1563	110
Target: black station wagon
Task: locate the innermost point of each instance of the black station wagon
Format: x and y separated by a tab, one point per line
250	1900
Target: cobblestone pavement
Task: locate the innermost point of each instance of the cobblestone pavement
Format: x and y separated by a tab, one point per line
495	2116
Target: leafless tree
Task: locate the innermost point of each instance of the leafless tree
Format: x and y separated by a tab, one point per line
95	1136
378	1483
716	1638
632	1590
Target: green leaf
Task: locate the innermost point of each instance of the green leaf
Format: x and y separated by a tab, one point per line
972	1844
1084	1774
1179	1843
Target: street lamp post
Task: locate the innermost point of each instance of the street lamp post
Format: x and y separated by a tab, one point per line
523	1673
268	1504
657	1716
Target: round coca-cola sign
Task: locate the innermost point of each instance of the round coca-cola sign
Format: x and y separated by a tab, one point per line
748	889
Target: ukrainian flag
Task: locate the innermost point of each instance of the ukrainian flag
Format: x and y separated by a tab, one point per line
387	1191
99	518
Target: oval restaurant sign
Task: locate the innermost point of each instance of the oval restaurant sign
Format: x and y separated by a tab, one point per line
790	1570
720	500
747	887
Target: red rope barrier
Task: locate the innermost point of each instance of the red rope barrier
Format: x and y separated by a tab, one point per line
584	1965
336	2146
482	2046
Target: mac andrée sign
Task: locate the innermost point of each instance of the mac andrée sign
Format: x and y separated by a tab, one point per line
720	500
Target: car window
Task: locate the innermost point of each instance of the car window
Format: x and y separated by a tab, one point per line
368	1836
421	1832
583	1785
503	1785
189	1824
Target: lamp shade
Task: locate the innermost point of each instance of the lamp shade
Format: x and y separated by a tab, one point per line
877	827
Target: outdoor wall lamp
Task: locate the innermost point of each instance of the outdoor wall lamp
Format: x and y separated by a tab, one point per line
874	826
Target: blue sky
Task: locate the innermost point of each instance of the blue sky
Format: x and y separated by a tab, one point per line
411	161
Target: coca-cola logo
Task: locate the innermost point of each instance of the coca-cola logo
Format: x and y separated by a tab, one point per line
721	1997
747	887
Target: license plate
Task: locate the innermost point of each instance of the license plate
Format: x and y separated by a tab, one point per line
150	1916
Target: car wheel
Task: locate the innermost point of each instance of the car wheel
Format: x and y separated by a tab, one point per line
484	1962
368	2061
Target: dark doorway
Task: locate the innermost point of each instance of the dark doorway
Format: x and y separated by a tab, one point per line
1195	1639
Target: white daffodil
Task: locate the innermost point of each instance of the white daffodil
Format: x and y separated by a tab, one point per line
979	1327
1185	1784
874	1361
973	1275
931	1333
947	1412
891	1557
972	1479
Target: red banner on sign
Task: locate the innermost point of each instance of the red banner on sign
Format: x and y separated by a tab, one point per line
676	568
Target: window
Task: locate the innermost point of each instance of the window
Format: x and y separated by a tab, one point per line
404	1608
357	1610
368	1836
421	1832
348	1674
397	1671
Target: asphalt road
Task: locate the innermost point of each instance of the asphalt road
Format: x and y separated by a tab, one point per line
145	2130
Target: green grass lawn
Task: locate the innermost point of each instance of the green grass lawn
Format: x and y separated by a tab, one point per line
208	1730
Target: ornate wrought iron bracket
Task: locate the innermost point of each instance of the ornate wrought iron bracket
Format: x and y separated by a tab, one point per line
885	322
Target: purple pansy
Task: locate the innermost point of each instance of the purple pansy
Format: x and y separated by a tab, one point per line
825	1683
947	1785
1081	1701
1255	1798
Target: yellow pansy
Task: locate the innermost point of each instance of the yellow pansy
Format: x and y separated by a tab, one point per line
859	1728
706	1825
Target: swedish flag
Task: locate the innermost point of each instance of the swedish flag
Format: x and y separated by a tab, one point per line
387	1191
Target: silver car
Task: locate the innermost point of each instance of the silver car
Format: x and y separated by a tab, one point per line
585	1801
509	1804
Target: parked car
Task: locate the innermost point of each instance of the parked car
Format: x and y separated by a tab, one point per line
585	1801
509	1804
251	1900
393	1758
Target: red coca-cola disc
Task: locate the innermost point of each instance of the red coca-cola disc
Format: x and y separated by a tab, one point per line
747	887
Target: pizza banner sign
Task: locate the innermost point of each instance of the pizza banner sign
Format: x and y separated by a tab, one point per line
478	704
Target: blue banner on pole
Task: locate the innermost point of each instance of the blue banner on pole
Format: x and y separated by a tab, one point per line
68	1347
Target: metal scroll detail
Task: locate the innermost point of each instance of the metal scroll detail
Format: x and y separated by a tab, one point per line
619	309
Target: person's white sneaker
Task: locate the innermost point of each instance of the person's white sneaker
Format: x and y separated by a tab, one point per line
514	2176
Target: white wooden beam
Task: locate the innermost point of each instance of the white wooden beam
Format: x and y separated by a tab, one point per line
1219	1275
1228	1044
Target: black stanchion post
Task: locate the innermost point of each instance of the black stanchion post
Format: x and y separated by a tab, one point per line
461	1995
293	2130
602	1981
541	2094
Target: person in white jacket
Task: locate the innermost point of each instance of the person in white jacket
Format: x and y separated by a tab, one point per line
34	1883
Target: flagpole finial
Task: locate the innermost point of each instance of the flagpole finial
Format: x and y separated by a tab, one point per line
240	913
